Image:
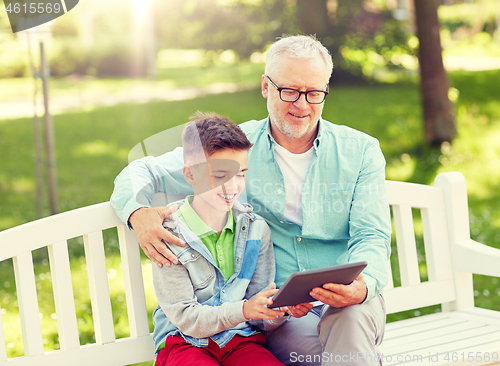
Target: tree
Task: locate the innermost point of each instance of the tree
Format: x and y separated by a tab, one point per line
360	34
439	120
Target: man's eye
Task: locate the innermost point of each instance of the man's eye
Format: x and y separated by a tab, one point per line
289	92
219	176
314	94
241	175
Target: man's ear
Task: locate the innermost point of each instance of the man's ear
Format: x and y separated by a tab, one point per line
265	86
188	174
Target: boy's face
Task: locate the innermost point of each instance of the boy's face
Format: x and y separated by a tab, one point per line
220	181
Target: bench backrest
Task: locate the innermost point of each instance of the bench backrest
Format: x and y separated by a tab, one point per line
443	213
444	221
53	232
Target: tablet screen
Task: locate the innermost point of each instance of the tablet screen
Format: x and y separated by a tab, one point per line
296	288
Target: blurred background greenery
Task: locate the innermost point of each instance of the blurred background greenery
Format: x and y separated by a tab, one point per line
197	44
365	37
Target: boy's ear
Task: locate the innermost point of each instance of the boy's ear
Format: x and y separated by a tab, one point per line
188	174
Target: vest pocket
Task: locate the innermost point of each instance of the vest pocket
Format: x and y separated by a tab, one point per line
200	270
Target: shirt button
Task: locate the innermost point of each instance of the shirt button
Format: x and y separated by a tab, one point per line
299	239
303	269
278	191
192	255
218	246
281	222
224	291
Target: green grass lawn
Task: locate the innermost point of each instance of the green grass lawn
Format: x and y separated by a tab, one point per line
92	148
168	78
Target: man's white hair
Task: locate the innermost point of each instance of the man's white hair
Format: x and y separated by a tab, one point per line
302	47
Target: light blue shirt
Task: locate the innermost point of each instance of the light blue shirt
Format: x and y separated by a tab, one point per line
344	200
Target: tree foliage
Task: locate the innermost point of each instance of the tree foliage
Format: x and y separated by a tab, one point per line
360	34
241	25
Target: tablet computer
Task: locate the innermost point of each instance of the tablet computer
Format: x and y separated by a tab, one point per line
296	288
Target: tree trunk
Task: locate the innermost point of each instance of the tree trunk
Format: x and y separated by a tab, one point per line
439	120
313	17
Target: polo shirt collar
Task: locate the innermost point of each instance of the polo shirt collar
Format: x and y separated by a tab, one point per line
196	224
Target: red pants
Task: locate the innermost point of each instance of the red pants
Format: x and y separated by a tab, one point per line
239	351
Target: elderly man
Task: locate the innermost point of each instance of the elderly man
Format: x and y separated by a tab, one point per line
321	189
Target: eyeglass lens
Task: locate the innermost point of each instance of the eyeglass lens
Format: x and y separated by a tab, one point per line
291	95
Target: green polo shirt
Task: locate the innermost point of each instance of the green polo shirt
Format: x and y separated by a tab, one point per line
221	247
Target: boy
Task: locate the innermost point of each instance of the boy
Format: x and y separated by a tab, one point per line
212	301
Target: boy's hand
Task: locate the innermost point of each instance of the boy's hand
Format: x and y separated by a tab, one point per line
299	310
256	307
149	231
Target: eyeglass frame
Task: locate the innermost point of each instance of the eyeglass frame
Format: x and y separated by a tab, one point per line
300	92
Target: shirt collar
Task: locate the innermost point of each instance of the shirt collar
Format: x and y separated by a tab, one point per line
196	224
270	137
318	138
316	142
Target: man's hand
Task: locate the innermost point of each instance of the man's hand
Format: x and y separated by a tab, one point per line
340	296
299	310
256	308
149	231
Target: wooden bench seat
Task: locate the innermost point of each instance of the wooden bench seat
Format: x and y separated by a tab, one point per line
460	334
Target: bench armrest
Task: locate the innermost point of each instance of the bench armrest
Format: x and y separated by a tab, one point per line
471	256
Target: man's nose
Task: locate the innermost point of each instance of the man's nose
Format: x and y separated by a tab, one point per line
301	102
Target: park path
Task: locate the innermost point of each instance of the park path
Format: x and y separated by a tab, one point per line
79	101
23	107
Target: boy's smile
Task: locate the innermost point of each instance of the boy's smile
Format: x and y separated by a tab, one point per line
217	184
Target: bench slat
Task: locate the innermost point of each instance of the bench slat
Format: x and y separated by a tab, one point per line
437	247
478	314
425	294
410	330
99	288
490	342
134	285
429	318
429	339
407	250
411	194
28	304
49	230
124	351
63	295
436	332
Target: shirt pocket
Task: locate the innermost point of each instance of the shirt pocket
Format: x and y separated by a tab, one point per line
200	270
335	206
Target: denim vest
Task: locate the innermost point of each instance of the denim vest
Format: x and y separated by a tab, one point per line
207	279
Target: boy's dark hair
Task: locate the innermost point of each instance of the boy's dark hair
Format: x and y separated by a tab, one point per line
208	133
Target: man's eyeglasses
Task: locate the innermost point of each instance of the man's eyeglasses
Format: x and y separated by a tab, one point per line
292	95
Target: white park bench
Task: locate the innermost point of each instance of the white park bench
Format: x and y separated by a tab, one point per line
460	334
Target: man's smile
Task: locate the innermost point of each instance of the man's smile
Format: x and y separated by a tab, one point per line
298	116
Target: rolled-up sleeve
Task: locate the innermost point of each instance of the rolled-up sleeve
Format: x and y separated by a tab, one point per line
142	178
370	222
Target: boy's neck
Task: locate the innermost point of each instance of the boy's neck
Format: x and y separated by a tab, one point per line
215	219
